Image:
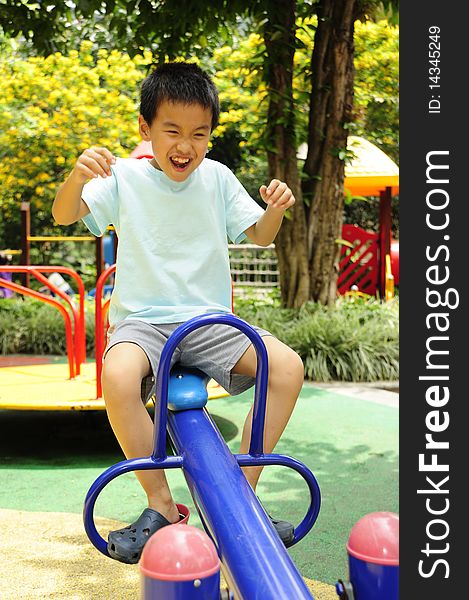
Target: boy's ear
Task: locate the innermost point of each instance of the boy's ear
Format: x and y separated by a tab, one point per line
143	129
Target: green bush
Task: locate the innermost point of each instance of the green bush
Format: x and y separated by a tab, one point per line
28	326
356	340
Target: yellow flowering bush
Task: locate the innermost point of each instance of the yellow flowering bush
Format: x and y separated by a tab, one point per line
244	96
241	91
52	108
377	83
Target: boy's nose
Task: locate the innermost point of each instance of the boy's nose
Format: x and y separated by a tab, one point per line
183	146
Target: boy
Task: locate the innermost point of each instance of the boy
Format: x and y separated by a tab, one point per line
172	215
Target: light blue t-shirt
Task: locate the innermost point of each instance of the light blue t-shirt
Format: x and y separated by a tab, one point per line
172	257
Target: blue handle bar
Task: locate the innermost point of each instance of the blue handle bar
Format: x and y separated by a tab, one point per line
162	380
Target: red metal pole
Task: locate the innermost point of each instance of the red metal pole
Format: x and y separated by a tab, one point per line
100	314
81	356
77	341
384	236
25	233
99	257
68	323
81	293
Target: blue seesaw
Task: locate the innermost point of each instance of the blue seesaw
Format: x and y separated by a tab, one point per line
255	562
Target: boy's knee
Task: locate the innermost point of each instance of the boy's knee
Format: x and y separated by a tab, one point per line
295	365
113	373
124	368
287	365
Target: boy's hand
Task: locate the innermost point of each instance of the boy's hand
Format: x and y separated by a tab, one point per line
277	195
91	163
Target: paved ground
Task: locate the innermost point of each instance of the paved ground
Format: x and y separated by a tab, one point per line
385	392
347	435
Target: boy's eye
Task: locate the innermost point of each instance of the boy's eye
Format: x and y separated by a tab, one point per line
175	132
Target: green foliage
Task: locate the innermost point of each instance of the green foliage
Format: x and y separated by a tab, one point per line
237	72
356	340
238	69
376	101
28	326
174	25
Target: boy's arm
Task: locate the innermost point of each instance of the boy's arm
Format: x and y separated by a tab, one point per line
278	197
68	205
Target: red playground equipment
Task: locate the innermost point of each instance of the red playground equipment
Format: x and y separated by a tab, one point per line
368	260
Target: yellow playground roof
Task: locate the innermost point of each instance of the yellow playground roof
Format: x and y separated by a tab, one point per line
370	172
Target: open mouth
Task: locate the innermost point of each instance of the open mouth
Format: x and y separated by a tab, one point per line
180	163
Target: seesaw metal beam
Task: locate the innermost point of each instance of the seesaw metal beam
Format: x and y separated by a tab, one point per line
256	563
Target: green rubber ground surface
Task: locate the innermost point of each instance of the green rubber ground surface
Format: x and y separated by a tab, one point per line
49	460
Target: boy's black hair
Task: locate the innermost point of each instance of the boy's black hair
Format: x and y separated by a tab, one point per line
180	82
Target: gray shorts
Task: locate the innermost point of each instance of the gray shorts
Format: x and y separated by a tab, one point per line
214	349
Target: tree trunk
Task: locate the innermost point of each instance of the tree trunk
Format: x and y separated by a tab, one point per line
330	109
291	242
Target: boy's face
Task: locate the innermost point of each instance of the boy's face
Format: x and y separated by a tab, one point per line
179	136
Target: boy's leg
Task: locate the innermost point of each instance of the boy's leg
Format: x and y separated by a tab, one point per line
286	376
125	365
